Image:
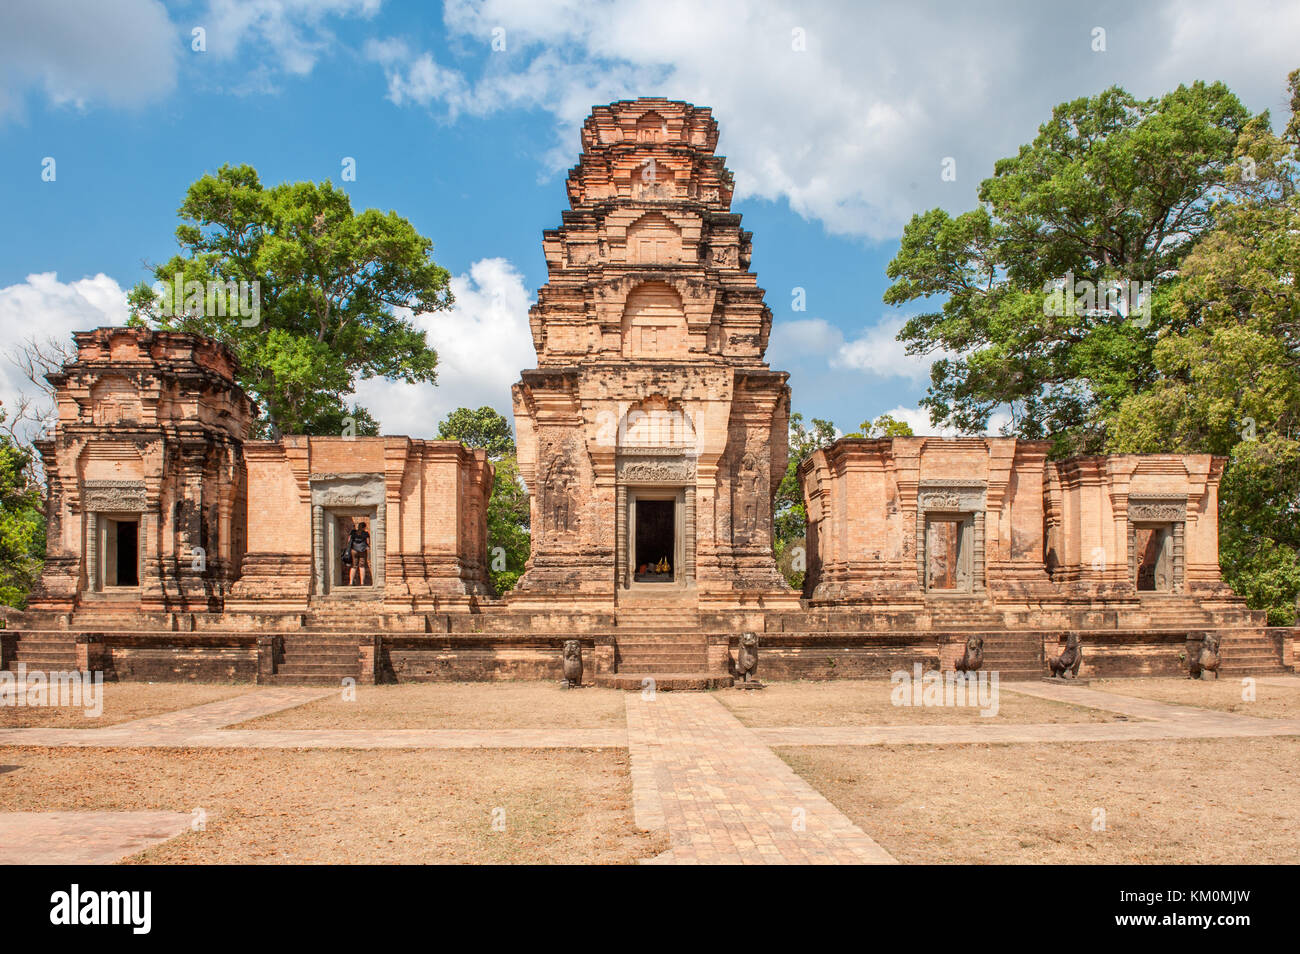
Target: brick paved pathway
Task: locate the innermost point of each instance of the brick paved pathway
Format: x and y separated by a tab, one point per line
715	785
83	838
724	796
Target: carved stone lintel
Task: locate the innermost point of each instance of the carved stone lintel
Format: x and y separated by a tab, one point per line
1158	511
656	471
114	496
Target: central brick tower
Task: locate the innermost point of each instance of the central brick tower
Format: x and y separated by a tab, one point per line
652	434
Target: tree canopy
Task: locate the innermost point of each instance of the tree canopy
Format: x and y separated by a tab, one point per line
1189	193
1113	189
509	542
484	428
322	299
22	523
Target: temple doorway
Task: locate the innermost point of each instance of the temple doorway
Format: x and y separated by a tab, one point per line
948	551
351	567
1154	561
655	541
120	546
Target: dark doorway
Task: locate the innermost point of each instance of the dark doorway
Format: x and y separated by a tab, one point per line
128	553
655	539
1152	558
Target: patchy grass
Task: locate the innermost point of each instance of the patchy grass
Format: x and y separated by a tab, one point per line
1222	695
869	702
395	806
1203	801
123	702
455	705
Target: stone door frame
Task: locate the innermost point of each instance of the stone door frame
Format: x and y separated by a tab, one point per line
1155	511
678	497
655	474
342	493
103	500
959	500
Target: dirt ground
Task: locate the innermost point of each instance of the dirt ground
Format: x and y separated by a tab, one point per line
474	705
1224	695
869	702
570	806
122	701
1204	801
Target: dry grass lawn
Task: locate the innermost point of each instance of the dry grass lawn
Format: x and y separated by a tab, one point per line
868	702
1223	695
447	705
296	806
123	701
1204	801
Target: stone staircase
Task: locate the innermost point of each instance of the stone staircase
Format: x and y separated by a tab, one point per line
1174	612
42	652
963	614
660	639
1248	652
318	659
1014	655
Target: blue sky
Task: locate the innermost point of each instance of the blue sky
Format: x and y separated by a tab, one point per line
836	119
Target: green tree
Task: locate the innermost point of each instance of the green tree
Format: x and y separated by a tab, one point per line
1230	384
1229	367
508	526
509	541
790	519
22	523
329	284
886	425
1112	189
483	428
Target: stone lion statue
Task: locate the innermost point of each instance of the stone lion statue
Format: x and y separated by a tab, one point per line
973	657
572	664
1070	660
747	657
1208	658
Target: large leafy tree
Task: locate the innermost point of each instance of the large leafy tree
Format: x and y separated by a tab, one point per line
790	519
1112	189
22	523
484	428
1230	369
508	515
329	282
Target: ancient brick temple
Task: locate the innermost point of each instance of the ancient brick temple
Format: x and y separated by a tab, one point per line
652	437
652	428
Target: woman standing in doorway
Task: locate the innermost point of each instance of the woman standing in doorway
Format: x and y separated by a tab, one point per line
359	549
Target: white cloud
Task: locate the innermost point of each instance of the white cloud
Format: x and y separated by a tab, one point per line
878	351
44	308
802	337
85	52
852	130
919	419
482	342
293	31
